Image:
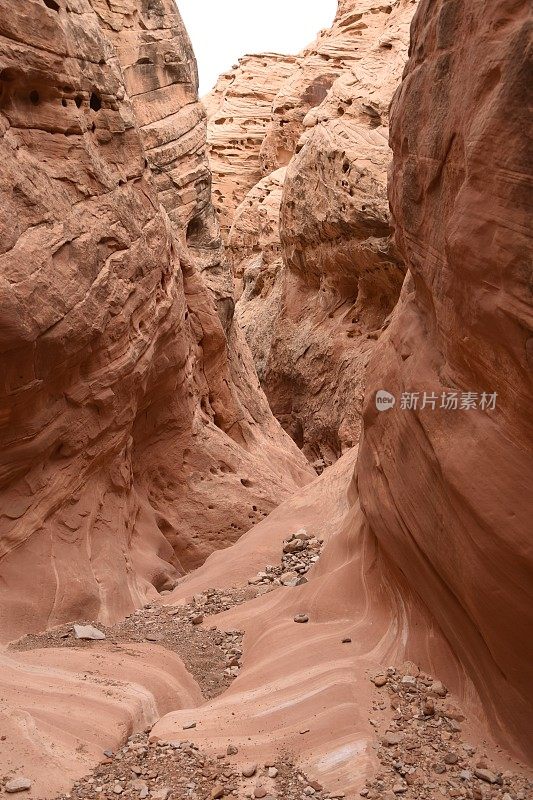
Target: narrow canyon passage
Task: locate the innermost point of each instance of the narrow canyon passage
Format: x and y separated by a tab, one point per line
265	426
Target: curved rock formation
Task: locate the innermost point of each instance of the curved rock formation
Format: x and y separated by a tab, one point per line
134	439
321	280
444	484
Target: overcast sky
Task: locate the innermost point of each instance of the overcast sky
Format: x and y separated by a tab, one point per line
224	30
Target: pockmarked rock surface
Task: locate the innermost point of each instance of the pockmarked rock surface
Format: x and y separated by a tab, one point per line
443	482
239	110
311	246
134	438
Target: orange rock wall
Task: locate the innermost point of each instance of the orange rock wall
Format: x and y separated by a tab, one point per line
446	492
133	437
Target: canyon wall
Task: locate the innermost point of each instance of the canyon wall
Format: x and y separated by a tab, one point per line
444	481
134	438
317	272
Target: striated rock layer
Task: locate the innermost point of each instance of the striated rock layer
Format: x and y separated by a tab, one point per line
133	438
312	241
239	110
446	491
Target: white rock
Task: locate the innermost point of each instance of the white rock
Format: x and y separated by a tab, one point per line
18	785
87	632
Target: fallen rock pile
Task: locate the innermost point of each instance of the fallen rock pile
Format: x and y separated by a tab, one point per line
180	771
422	751
300	551
213	657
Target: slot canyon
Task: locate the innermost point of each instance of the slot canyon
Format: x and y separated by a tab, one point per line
266	519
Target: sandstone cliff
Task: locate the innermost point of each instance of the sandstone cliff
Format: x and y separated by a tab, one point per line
239	110
124	408
446	491
312	244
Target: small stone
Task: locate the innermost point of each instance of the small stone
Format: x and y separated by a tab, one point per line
409	681
437	688
272	772
451	758
198	619
379	680
232	750
87	632
305	730
346	640
259	792
399	788
154	637
18	785
217	792
161	794
392	739
108	753
486	775
117	788
289	578
189	726
249	770
301	618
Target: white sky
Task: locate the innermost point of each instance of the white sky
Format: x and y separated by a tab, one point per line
222	31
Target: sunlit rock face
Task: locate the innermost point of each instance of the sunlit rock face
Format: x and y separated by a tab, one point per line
134	439
445	491
317	272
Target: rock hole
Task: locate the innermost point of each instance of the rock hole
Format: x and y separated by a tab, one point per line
346	167
34	97
78	100
52	5
63	102
195	232
386	45
145	60
246	482
95	102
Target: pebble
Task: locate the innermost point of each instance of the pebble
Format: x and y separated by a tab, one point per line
259	792
88	632
485	775
217	792
451	758
232	750
249	771
198	619
301	618
189	726
379	680
438	689
18	785
346	640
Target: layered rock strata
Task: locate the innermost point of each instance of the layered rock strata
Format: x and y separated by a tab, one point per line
311	245
239	111
443	476
134	439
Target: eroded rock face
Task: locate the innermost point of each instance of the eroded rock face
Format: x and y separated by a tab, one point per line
445	491
316	300
134	439
239	110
